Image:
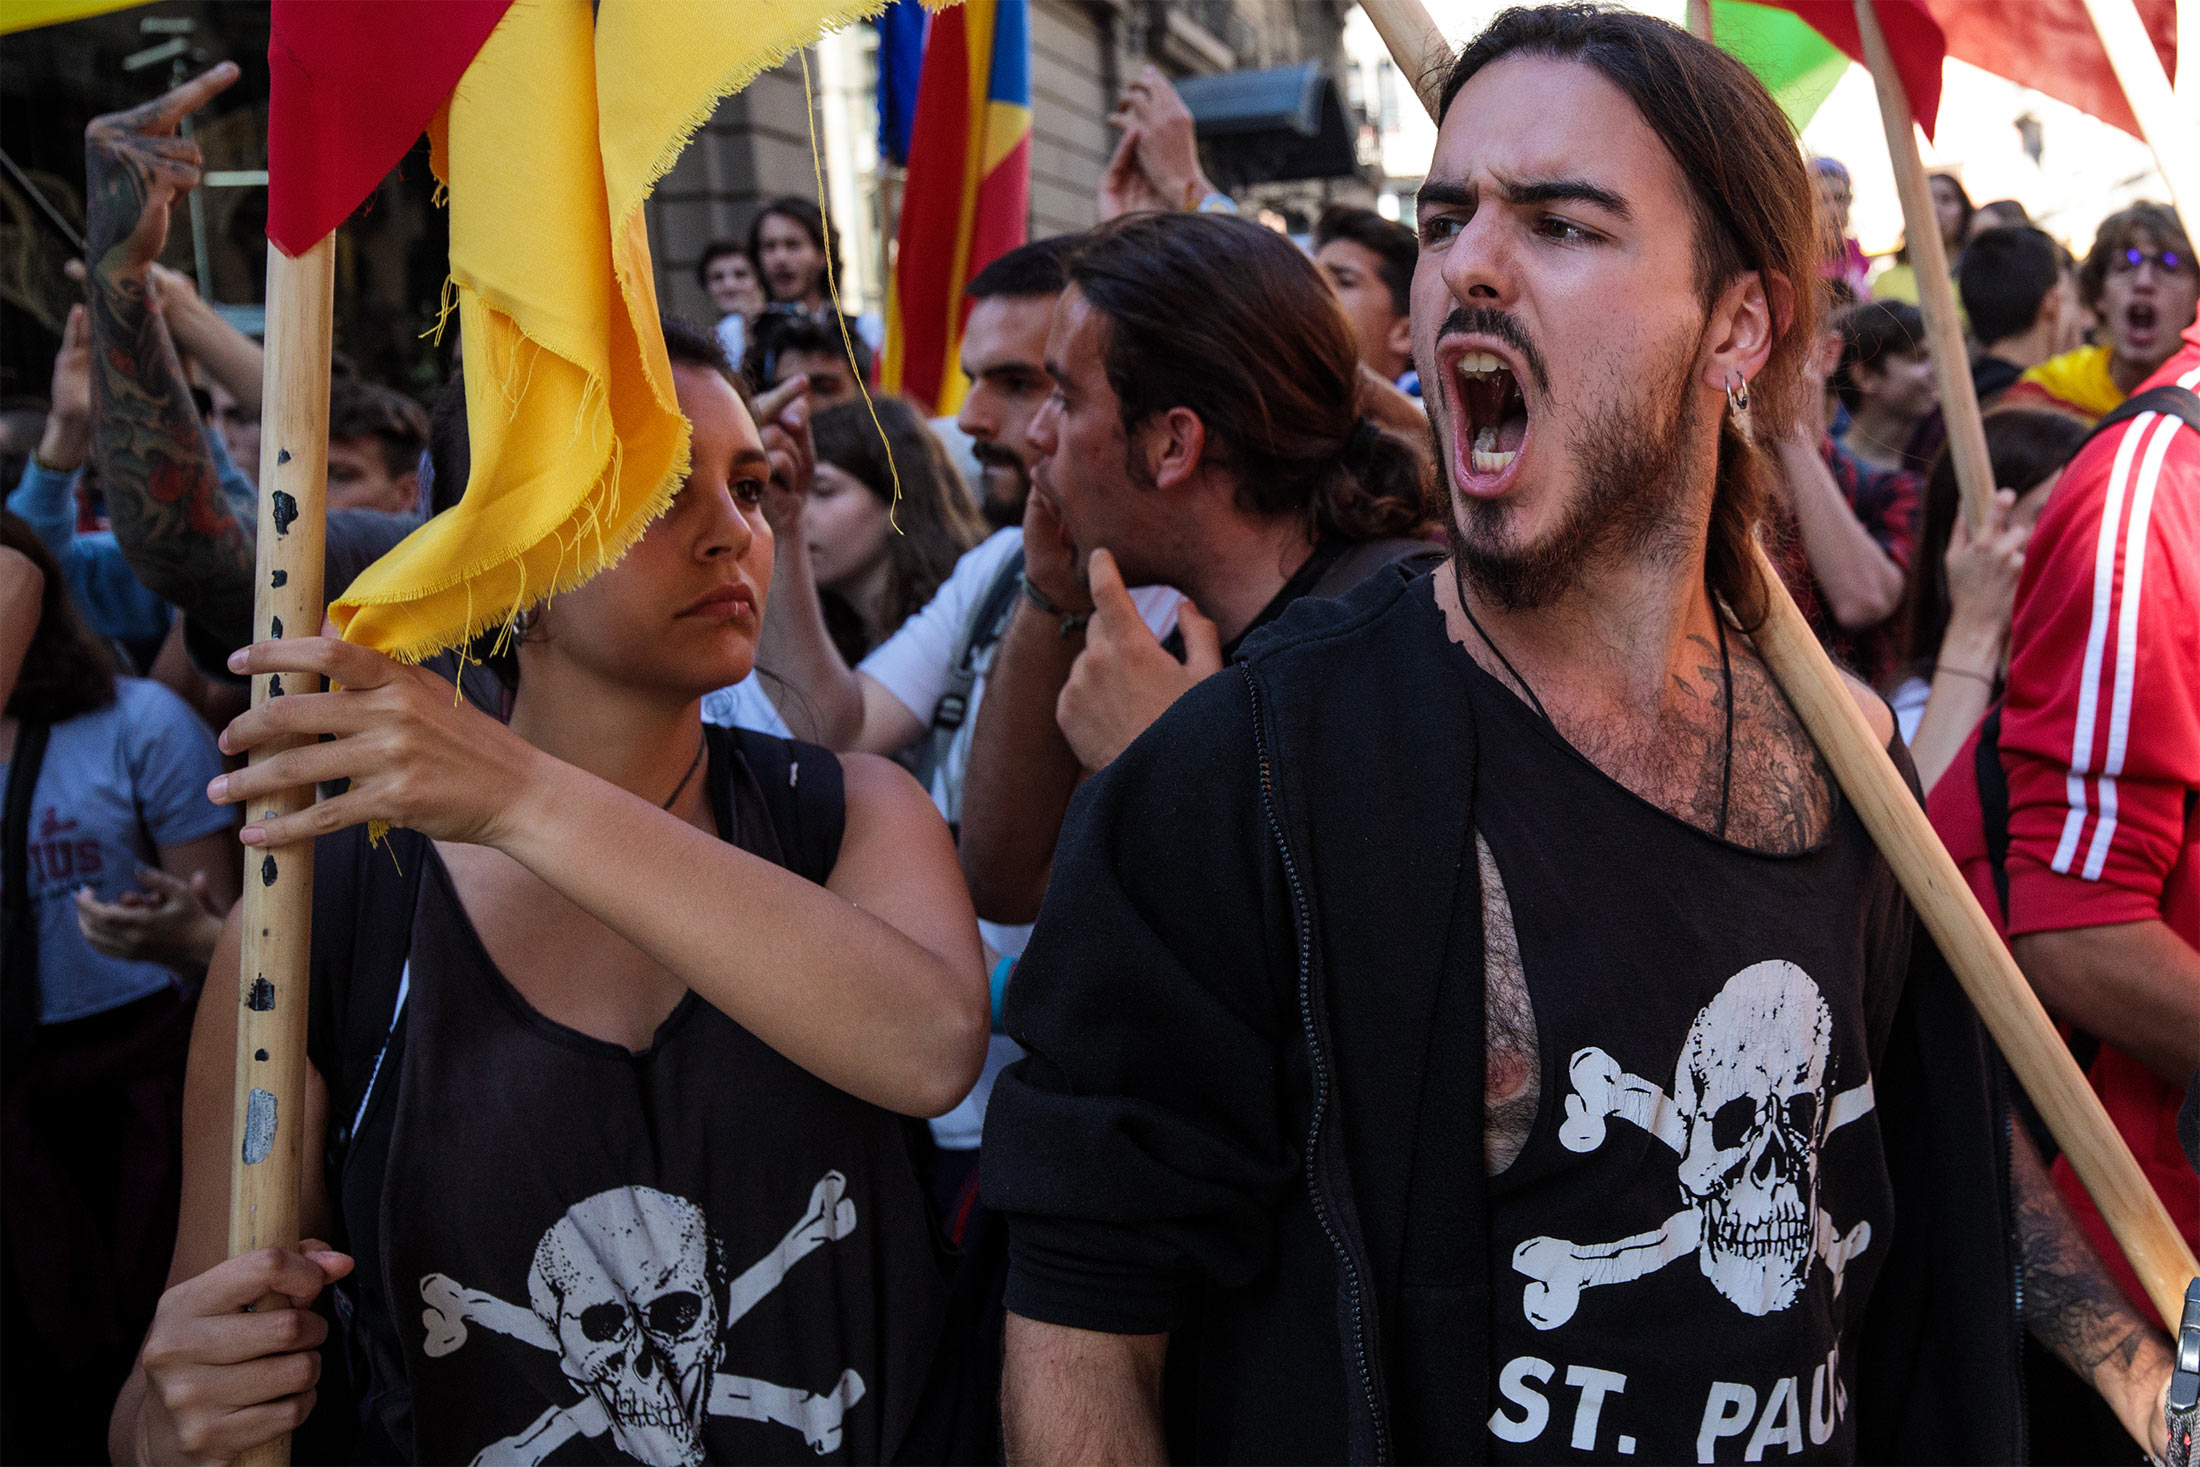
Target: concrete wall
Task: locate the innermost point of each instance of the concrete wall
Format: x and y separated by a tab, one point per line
1073	83
755	147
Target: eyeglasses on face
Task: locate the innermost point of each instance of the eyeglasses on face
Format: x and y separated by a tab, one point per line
2165	262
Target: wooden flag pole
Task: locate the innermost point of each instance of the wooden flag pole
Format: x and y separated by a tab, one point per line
1936	288
1943	900
278	882
2166	124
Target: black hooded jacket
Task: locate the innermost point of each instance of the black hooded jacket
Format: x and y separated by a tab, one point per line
1252	1111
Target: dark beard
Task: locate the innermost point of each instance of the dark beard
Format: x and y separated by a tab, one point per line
1630	455
1001	514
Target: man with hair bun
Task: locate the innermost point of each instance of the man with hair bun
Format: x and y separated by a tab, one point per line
1476	1027
1203	434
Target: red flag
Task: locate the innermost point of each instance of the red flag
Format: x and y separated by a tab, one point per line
351	86
1913	38
2051	46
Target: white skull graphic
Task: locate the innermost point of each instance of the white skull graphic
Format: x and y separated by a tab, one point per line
1751	1087
630	1280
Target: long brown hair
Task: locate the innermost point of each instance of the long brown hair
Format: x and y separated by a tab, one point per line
67	671
1755	210
936	520
2024	445
1230	320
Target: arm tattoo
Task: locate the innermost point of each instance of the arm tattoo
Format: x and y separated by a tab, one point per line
2071	1305
163	496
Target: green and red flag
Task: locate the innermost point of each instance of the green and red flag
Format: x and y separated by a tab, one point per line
1793	46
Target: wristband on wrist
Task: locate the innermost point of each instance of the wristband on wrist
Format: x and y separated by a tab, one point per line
1941	667
1072	622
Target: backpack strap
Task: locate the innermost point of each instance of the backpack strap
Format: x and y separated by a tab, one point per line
2170	400
19	993
1993	803
988	620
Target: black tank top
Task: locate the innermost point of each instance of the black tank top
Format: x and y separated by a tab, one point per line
1683	1248
699	1252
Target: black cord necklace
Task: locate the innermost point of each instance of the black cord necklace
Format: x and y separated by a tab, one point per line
1726	676
681	788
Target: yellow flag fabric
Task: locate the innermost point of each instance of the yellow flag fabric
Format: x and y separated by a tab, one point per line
24	15
549	145
2078	379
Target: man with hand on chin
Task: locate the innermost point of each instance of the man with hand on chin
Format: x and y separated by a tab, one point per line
1287	1176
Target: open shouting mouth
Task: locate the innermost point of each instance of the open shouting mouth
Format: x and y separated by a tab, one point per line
1482	377
2140	321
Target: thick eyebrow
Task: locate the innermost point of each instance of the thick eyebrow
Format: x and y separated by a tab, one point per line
1522	191
749	456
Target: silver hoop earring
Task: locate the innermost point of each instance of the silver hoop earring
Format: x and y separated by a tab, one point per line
1737	397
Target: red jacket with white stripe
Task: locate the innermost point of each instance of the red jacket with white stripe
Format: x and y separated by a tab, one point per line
2100	733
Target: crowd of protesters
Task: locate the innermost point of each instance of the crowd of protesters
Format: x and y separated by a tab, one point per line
1341	821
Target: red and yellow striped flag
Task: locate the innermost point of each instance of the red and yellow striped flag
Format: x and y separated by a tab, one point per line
968	196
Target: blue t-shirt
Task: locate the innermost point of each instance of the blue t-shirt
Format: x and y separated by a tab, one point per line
113	779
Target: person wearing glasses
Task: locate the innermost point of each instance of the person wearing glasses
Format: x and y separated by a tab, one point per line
2141	282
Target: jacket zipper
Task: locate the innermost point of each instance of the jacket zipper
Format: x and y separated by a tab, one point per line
1301	930
2016	1257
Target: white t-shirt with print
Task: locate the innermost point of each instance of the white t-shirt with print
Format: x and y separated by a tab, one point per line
915	665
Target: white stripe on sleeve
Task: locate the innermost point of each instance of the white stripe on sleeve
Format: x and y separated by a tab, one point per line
2127	638
2096	641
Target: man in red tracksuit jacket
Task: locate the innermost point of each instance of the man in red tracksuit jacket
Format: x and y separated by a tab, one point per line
2100	746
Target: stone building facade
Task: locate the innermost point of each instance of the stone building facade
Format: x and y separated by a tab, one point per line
392	255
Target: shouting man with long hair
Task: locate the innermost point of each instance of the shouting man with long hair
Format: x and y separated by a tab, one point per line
1475	1027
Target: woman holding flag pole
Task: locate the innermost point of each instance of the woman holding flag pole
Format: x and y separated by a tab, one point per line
626	1161
704	1232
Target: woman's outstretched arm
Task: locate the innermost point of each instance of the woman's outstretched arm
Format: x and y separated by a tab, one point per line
874	982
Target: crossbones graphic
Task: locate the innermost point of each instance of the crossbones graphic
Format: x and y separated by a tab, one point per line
1747	1116
626	1290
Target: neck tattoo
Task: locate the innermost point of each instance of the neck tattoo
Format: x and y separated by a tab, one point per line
1726	677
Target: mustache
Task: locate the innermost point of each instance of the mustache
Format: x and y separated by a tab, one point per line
1489	321
995	454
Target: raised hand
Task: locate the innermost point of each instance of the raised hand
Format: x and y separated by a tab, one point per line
67	440
164	498
1982	588
1050	559
783	421
415	756
1158	127
136	168
1124	186
1125	679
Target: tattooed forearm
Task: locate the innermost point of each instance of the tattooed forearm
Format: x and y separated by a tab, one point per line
2074	1308
164	497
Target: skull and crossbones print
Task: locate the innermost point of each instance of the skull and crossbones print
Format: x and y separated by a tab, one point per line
1749	1111
629	1290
